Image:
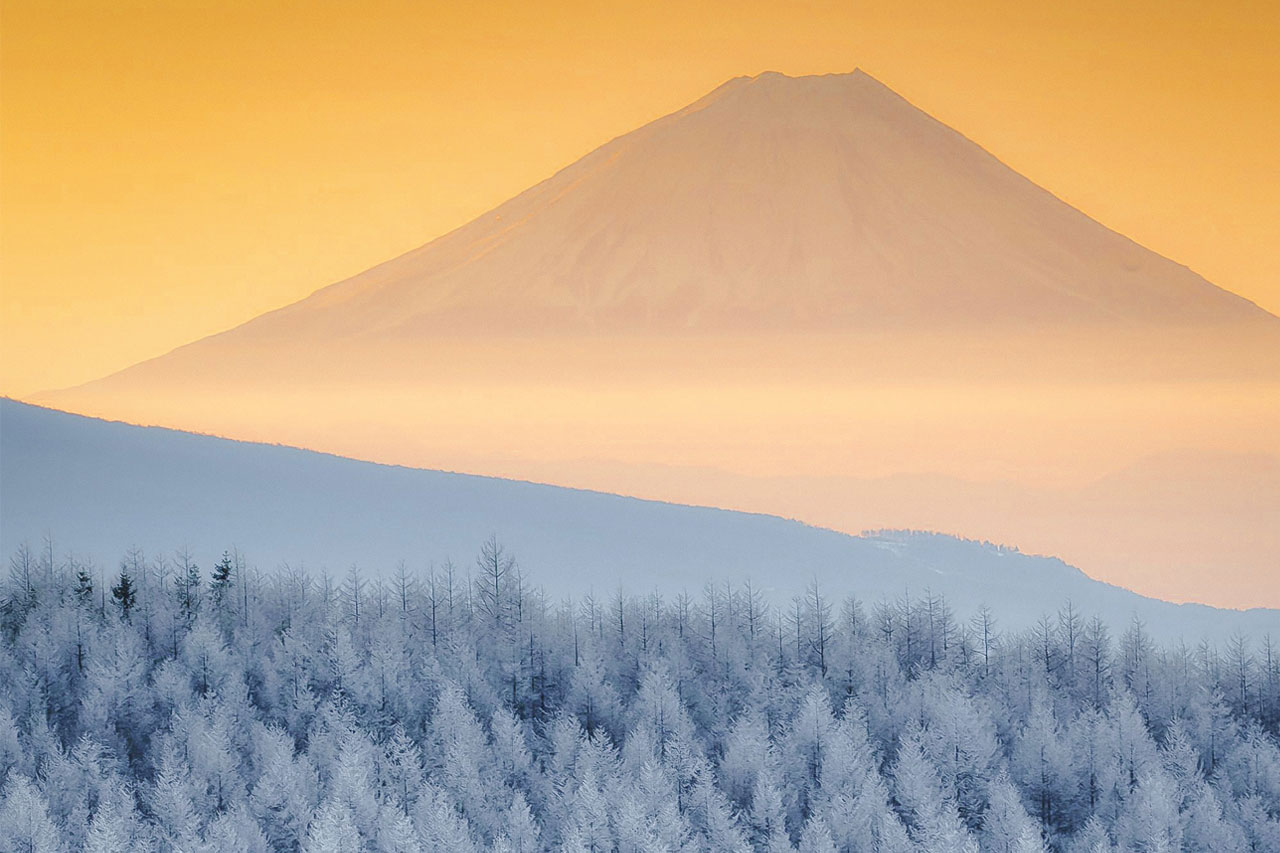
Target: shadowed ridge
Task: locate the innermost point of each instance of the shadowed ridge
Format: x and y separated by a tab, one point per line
102	487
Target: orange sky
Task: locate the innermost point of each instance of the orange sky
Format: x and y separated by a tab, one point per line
170	169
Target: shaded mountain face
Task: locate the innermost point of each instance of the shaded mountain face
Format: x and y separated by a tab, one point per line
102	488
792	278
814	203
1195	527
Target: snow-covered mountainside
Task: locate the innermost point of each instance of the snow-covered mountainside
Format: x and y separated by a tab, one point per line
101	487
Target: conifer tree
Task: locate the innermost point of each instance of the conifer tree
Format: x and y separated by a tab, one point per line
187	585
222	579
84	587
24	819
768	819
124	593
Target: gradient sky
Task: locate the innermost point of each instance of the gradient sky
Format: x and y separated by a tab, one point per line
168	170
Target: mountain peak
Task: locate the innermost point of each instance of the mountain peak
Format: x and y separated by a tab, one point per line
800	90
771	76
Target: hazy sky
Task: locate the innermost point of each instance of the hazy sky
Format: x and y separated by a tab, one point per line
170	169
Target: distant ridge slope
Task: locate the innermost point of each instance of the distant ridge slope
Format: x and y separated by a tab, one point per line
99	487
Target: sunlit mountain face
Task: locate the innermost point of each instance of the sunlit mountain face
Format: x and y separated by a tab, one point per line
801	296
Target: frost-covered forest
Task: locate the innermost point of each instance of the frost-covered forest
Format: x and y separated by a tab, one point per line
165	705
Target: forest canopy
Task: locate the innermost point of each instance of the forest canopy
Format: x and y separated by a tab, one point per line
177	704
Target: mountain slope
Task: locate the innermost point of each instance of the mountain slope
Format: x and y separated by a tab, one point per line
100	487
778	203
772	203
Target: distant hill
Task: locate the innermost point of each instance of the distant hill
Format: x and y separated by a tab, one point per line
100	487
1171	525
